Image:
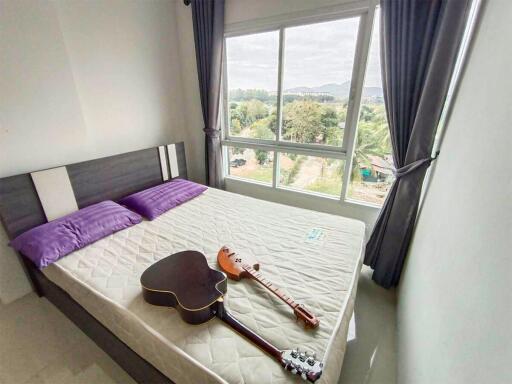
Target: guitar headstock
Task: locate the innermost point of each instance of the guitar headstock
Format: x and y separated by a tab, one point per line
302	313
232	263
302	363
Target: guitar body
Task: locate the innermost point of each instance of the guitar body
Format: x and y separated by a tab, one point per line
187	283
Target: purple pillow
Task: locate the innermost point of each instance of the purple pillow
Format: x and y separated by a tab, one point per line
49	242
153	202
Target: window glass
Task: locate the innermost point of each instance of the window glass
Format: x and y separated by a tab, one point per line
309	173
251	164
252	62
318	63
317	68
372	165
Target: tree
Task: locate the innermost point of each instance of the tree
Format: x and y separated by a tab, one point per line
239	112
235	127
372	136
261	156
260	130
256	110
306	121
237	150
245	113
251	94
331	132
272	121
302	121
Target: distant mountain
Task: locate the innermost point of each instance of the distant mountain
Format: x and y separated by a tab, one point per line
336	90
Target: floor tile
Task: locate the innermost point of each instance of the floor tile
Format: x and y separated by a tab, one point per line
371	352
32	334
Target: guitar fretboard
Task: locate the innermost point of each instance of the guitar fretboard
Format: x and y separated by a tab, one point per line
260	279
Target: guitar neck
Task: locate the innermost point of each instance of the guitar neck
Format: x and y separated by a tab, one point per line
271	287
263	344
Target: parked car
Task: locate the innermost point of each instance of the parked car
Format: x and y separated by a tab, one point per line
238	162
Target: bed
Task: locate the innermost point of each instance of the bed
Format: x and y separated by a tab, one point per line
315	257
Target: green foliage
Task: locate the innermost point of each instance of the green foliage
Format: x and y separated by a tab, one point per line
260	130
327	185
272	121
271	99
251	94
342	111
252	115
288	176
315	98
372	137
301	122
372	134
261	156
238	118
306	121
236	127
263	174
256	110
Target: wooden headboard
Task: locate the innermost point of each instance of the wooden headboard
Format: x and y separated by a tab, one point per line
107	178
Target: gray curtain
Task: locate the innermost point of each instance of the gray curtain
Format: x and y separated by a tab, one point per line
208	22
419	45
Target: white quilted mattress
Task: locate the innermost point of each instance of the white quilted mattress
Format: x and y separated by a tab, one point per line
314	257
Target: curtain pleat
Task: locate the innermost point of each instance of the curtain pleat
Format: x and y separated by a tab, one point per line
208	23
420	40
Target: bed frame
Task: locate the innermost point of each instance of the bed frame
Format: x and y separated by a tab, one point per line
108	178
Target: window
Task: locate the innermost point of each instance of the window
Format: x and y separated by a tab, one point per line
252	64
310	173
251	164
372	162
298	105
318	63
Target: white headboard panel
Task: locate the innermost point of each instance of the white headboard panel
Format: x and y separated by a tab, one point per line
173	160
163	163
55	192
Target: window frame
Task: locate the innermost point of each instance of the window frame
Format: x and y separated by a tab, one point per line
365	10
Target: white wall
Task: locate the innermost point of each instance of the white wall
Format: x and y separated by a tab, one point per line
454	302
79	80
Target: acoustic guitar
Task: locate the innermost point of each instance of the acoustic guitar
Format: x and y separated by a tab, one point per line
185	282
237	267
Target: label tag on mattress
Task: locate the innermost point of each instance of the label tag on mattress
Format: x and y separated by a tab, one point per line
315	235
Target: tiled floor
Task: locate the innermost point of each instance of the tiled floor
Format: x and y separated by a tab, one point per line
371	352
38	345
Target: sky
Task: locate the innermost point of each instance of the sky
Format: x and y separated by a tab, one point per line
315	54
